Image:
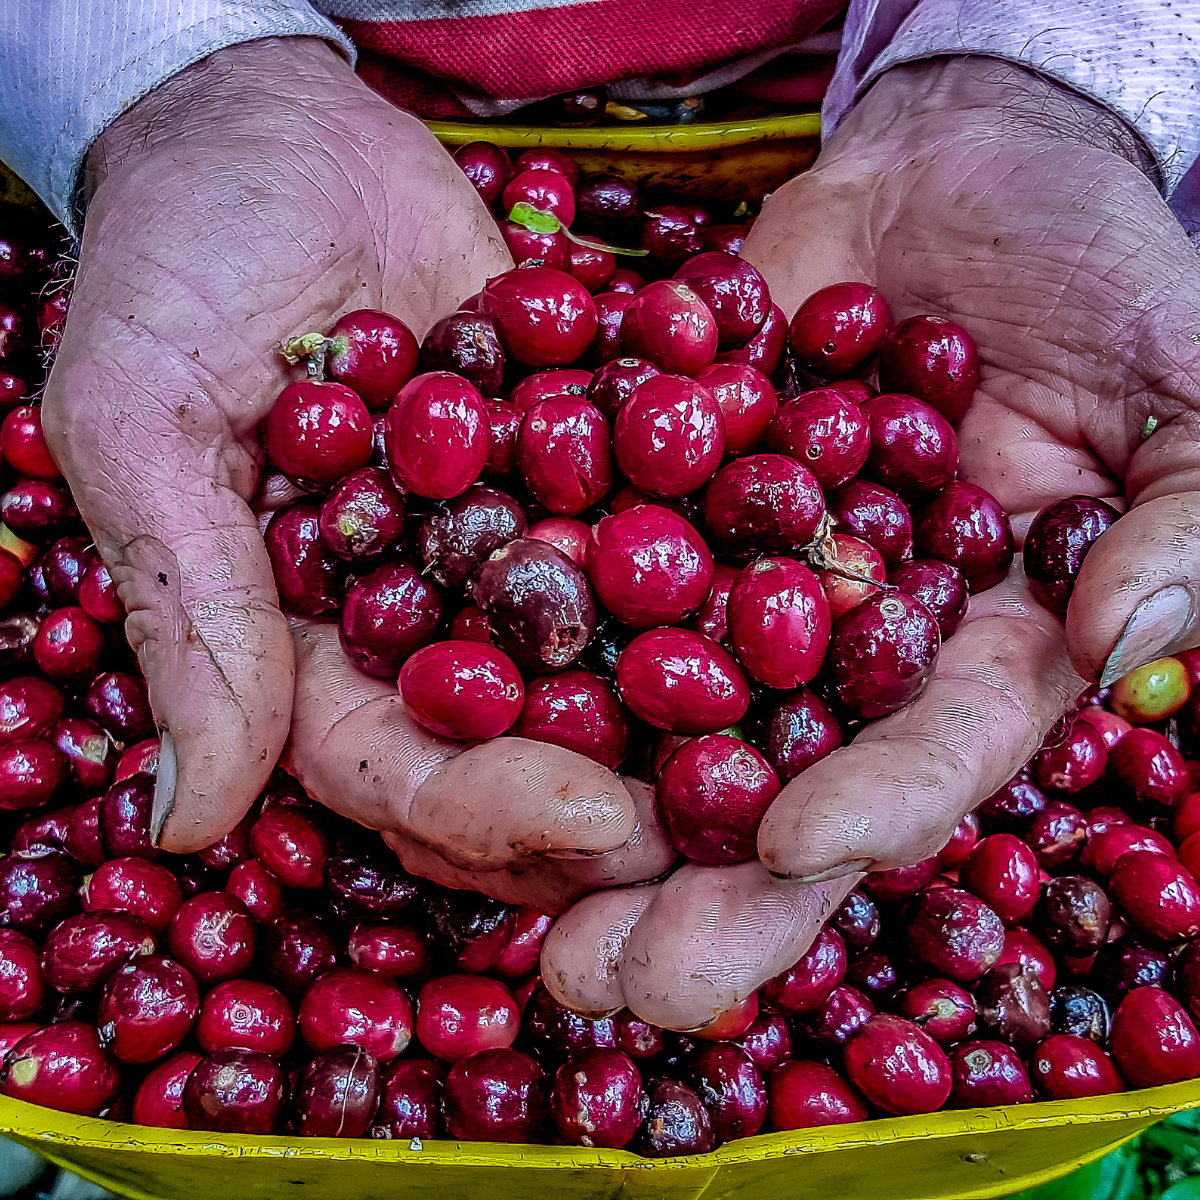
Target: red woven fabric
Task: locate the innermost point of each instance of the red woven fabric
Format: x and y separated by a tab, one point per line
543	52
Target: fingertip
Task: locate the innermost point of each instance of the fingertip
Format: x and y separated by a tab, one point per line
581	956
512	797
1136	598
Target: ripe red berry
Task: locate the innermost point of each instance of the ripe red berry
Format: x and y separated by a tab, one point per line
318	432
462	690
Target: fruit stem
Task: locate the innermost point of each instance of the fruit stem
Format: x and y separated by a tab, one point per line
822	553
311	349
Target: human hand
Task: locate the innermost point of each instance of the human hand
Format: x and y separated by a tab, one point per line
970	189
259	194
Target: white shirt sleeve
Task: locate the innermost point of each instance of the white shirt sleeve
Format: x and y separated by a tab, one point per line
70	67
1139	58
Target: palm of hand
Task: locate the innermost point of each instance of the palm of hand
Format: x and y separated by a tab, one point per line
1075	281
197	260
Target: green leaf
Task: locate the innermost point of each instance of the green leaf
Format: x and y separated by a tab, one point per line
537	219
1113	1177
1185	1189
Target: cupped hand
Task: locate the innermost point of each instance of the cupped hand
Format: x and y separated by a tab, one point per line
970	189
257	195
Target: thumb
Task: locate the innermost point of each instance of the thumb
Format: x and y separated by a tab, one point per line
157	474
1137	597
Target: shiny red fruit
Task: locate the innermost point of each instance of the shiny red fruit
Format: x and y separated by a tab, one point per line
24	445
939	586
806	1095
547	191
1068	1067
373	353
32	771
37	889
243	1014
409	1106
291	845
826	431
808	983
147	1009
853	570
564	456
213	936
747	401
89	751
467	344
495	1096
712	793
562	383
308	576
934	359
679	680
764	503
318	432
801	731
579	711
543	316
898	1067
955	934
69	646
669	436
259	890
83	951
64	1067
458	1015
764	351
462	690
235	1091
669	325
134	885
881	654
968	528
839	329
987	1073
876	515
1072	757
597	1099
388	613
363	516
943	1009
22	989
779	622
1003	872
1059	539
913	451
158	1101
1158	896
437	435
648	566
735	292
1145	761
349	1005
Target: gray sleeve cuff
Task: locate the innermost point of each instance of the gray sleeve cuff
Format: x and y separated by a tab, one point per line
1139	58
71	67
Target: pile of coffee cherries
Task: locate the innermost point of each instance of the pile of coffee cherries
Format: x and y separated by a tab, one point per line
582	515
683	561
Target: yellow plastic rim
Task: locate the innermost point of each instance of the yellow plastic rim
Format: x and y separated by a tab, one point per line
50	1126
663	139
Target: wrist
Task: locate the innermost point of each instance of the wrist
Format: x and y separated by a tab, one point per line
993	93
273	87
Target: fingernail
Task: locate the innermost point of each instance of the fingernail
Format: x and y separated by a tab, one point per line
1157	624
854	866
164	786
